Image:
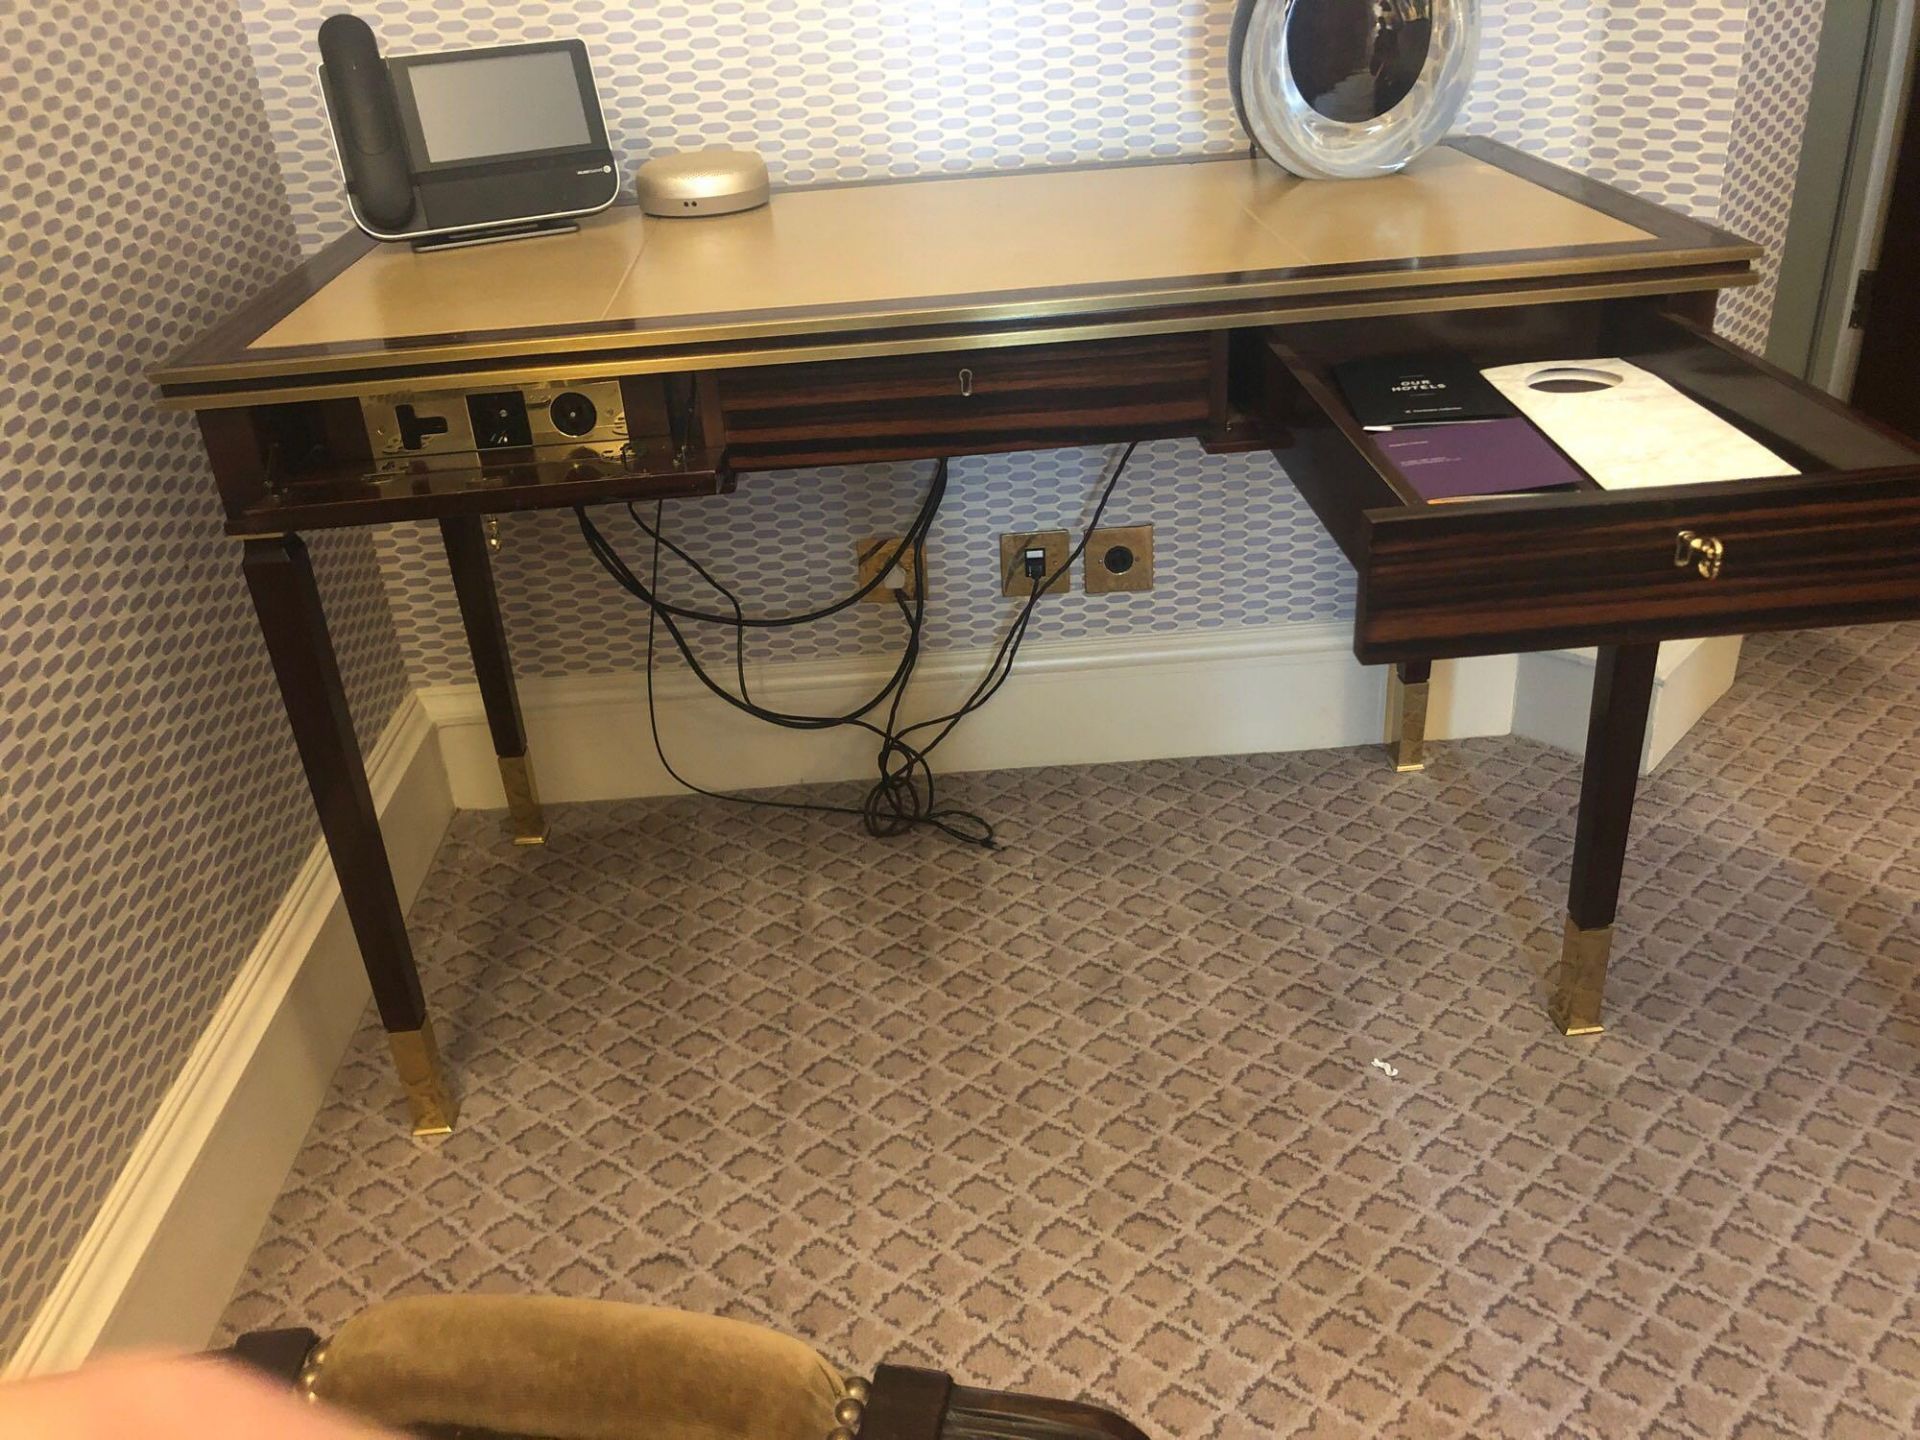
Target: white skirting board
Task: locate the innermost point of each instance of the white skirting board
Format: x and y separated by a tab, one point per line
1556	689
1274	688
1232	692
161	1258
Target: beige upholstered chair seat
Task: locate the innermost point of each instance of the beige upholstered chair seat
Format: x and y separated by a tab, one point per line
573	1370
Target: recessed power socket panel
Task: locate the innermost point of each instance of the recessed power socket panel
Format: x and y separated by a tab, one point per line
459	429
500	420
431	426
579	415
1055	546
872	556
1120	560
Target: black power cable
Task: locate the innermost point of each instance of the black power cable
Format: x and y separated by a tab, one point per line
611	561
904	795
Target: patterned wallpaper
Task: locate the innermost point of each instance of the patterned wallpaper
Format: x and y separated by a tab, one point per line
151	809
1235	547
835	90
1641	92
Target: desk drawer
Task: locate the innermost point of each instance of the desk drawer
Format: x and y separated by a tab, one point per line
966	402
1837	544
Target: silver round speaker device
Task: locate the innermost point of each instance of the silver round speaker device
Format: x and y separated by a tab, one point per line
1341	89
717	181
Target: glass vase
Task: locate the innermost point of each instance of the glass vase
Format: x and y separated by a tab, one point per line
1344	89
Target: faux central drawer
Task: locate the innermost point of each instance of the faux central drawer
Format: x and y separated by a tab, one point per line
1837	544
965	402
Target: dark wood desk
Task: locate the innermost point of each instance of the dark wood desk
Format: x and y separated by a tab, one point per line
1011	312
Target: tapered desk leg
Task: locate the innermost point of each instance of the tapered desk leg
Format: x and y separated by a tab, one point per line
466	542
1407	714
280	575
1616	736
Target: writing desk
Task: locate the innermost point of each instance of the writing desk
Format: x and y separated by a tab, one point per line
914	319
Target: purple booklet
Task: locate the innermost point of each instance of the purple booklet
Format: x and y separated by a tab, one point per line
1475	459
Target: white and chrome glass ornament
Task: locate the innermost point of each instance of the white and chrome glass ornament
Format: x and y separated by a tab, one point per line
1343	89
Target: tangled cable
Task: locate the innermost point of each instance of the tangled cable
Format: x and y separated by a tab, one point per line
904	795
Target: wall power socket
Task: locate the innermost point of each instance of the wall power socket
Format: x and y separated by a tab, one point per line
1119	560
1055	546
871	557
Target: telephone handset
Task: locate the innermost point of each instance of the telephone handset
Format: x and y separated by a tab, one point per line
469	146
367	119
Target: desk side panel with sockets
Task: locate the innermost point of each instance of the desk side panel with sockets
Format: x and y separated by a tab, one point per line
1210	299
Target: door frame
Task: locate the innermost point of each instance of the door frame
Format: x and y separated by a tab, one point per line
1855	118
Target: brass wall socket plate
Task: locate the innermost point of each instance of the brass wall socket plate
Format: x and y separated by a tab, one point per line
1119	560
1013	570
872	554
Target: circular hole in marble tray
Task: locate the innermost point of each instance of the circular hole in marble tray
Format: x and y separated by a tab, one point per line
1573	380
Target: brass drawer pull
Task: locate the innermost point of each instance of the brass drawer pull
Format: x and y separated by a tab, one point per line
1703	552
966	383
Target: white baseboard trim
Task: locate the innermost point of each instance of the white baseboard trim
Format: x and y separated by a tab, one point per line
1272	688
162	1256
1555	692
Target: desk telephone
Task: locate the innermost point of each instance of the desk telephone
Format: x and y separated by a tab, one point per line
466	147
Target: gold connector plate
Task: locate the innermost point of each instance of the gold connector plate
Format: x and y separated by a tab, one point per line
1013	567
1120	560
417	1057
1582	984
870	560
524	815
1406	723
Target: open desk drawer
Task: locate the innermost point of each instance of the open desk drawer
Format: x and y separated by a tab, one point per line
1837	544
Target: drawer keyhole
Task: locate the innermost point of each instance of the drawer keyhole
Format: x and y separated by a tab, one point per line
966	383
1704	553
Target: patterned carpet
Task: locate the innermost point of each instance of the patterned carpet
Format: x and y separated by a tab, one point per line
1225	1096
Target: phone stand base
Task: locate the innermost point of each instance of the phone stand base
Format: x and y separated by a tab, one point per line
495	234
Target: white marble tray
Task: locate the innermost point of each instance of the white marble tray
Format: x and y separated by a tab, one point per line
1636	432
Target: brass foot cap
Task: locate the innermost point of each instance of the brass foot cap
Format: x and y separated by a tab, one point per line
1406	729
416	1056
1573	1030
525	819
1581	993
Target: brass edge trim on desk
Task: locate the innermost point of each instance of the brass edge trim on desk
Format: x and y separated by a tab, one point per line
610	337
648	363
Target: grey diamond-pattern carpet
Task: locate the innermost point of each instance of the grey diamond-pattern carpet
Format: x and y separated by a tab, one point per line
1224	1095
